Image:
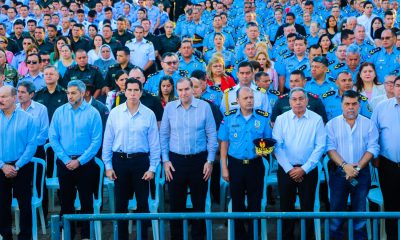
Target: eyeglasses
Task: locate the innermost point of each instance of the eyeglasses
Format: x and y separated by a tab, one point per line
31	62
171	63
386	38
390	84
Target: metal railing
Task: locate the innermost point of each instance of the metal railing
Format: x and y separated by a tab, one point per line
209	217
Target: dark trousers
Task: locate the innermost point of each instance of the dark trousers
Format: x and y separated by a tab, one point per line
340	189
21	188
129	181
389	176
288	190
246	179
85	180
188	173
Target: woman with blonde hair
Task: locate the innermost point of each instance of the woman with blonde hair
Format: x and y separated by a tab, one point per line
216	75
268	67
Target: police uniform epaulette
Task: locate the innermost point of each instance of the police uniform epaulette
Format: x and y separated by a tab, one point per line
288	55
331	62
395	72
208	49
283	95
113	66
241	40
153	74
149	42
183	73
331	79
130	40
228	89
282	52
262	113
369	43
279	37
154	94
313	95
281	44
199	59
230	50
275	92
375	50
307	35
260	89
362	97
233	111
333	49
339	65
215	88
94	67
270	23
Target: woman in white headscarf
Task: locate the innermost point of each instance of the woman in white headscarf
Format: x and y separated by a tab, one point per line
106	59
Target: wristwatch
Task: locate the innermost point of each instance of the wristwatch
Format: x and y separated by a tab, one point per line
357	168
210	162
16	169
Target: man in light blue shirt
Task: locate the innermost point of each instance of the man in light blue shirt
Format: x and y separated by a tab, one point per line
75	135
188	139
301	138
352	142
131	152
17	147
386	117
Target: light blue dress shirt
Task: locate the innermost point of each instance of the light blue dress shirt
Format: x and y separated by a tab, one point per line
17	138
131	133
76	132
386	117
39	113
38	81
299	141
352	143
188	131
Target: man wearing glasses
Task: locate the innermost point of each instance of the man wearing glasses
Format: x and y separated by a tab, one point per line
170	64
386	58
34	62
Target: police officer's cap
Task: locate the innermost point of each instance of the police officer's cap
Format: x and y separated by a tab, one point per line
264	146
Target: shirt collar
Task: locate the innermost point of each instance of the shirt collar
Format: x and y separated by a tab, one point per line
194	103
305	115
125	108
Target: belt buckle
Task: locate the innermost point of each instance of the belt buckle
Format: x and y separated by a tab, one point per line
246	161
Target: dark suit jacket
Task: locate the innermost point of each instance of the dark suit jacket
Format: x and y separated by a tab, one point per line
103	110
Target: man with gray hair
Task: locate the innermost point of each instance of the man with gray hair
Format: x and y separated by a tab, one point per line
389	88
351	65
300	142
75	135
18	145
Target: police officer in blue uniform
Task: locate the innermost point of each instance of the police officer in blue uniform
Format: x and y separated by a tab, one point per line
211	93
321	82
386	58
187	60
241	165
351	64
332	99
263	81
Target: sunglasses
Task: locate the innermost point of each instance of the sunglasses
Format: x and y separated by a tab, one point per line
31	62
171	63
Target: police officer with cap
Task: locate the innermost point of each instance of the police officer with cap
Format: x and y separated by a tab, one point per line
245	170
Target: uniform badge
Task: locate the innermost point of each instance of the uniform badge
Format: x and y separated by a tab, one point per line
257	124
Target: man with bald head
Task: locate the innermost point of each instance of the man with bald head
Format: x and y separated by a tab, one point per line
18	137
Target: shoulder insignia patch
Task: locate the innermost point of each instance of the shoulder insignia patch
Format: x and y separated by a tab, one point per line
313	95
331	62
231	112
208	49
282	43
183	73
302	67
275	92
283	96
279	37
369	43
260	89
113	66
288	55
282	52
339	65
333	49
262	113
153	74
327	94
375	50
215	88
227	90
363	98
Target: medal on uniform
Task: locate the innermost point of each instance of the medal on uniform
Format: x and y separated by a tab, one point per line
257	124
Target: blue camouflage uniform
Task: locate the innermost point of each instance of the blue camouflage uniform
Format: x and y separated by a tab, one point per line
384	62
213	94
333	104
194	64
327	85
153	80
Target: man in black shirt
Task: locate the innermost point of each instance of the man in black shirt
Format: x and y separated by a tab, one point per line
121	33
77	41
